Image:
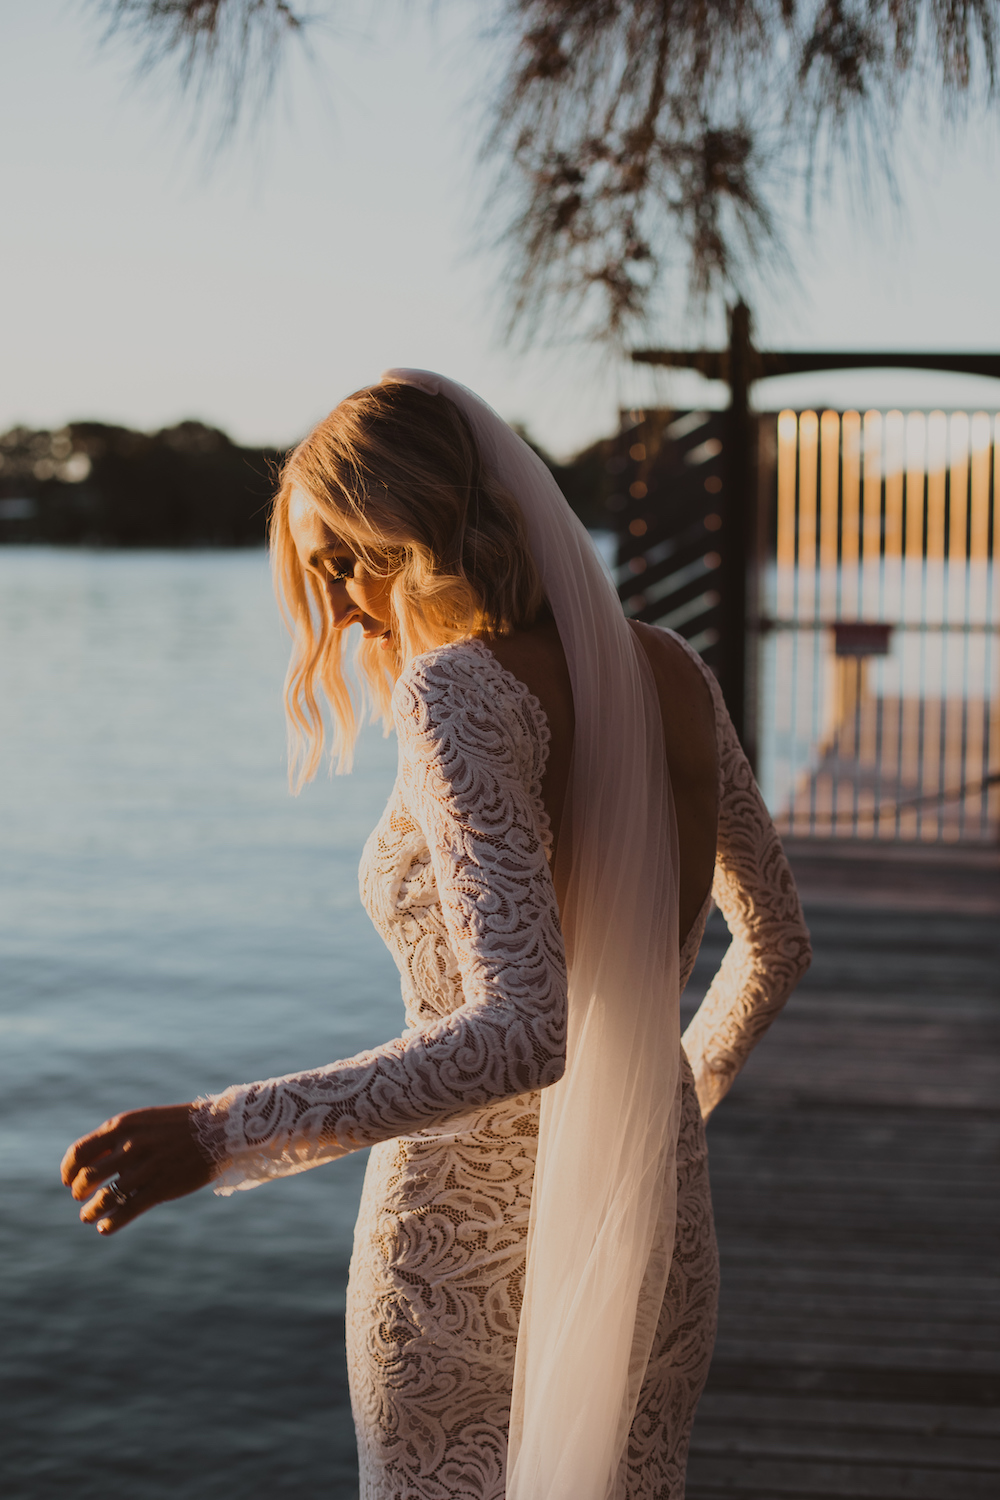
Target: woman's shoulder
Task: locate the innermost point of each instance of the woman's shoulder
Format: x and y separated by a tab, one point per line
453	661
465	668
461	692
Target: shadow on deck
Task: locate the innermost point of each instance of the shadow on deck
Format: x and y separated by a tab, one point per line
854	1171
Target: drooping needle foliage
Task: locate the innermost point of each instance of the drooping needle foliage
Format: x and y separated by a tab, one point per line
630	136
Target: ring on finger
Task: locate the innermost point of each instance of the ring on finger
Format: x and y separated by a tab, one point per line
119	1195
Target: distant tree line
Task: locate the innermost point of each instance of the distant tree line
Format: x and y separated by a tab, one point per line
96	485
90	484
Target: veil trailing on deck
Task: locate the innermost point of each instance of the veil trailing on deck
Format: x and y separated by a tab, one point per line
604	1199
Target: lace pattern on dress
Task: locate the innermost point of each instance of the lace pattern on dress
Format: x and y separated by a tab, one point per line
470	915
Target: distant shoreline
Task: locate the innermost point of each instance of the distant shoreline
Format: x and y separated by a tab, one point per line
90	484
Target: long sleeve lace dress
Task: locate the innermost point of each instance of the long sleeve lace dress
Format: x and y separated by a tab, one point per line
455	877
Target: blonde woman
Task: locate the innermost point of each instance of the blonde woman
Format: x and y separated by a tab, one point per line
533	1286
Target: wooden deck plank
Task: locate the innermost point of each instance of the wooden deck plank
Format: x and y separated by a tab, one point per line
769	1477
933	1341
813	1353
739	1409
854	1174
820	1443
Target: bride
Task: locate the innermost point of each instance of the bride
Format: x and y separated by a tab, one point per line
532	1296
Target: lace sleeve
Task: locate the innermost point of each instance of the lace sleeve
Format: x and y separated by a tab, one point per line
468	779
756	894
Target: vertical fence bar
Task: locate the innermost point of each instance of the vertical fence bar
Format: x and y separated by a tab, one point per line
829	512
850	517
829	523
808	450
888	711
808	603
848	683
932	605
788	428
870	601
991	688
911	646
894	464
871	525
977	688
956	577
784	603
937	476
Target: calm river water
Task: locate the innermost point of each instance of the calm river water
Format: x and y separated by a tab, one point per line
171	921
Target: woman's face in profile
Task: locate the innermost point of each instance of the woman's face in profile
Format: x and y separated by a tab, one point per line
355	595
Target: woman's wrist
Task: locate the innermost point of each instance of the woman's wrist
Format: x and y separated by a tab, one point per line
208	1119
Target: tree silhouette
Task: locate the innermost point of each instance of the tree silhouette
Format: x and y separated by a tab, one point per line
640	124
630	136
228	51
101	485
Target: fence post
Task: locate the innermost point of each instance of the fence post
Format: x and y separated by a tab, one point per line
739	530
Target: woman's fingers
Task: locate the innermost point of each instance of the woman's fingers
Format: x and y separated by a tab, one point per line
139	1182
89	1147
105	1201
114	1207
87	1179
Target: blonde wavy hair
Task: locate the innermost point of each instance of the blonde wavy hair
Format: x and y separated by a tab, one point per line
397	476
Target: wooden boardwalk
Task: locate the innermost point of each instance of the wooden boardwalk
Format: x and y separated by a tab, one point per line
855	1177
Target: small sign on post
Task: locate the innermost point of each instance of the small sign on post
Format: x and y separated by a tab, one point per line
862	637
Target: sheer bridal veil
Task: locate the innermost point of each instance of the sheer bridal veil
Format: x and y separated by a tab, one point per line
604	1199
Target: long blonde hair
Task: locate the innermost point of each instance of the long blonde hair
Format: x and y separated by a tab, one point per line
396	475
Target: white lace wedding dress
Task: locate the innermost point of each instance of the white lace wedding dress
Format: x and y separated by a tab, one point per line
456	879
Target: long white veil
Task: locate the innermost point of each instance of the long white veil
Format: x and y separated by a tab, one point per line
604	1198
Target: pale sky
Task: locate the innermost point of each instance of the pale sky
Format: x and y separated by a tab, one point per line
144	285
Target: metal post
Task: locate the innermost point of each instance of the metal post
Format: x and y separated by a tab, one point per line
739	525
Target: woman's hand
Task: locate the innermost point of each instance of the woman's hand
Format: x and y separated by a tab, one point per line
152	1154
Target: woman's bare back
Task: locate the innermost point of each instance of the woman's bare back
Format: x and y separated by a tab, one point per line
536	658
